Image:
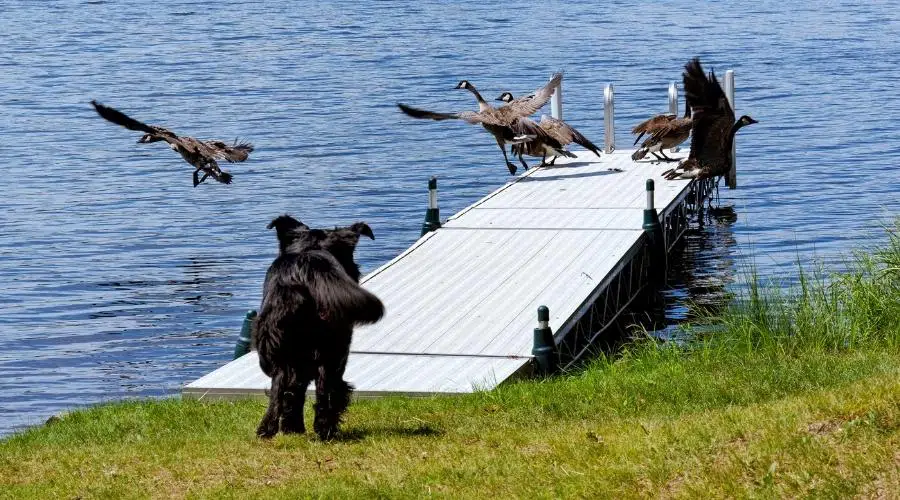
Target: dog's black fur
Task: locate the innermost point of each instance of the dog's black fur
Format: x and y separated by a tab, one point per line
311	301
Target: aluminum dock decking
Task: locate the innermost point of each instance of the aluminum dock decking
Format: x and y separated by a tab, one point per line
460	303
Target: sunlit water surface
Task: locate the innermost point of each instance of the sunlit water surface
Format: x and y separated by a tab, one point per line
121	280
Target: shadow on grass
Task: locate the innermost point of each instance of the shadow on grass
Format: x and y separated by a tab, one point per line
351	435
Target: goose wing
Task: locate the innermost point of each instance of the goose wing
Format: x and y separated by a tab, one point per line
673	128
566	133
239	151
526	106
526	126
651	124
472	117
713	116
120	118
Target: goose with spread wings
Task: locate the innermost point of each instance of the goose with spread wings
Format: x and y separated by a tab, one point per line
713	126
202	155
504	123
560	133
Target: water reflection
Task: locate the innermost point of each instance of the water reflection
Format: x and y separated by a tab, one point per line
701	273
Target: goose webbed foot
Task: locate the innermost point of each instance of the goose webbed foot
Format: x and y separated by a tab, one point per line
665	158
525	165
512	168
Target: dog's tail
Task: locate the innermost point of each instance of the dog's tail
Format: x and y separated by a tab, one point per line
350	303
340	299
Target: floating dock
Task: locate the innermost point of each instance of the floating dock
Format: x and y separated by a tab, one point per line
461	302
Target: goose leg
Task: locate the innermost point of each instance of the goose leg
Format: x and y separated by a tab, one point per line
666	158
512	168
196	180
523	162
553	161
543	160
658	158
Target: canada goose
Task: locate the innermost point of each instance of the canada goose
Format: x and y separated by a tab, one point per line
202	155
561	132
714	126
503	123
666	131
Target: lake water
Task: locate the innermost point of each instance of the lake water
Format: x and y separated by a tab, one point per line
119	279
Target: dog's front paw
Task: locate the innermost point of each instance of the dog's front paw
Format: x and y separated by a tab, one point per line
267	429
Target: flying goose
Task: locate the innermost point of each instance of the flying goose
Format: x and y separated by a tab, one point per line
666	132
202	155
503	123
714	126
559	131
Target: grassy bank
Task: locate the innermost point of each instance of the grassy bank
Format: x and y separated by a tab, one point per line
797	393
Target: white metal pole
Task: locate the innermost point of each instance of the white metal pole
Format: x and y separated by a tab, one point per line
731	179
556	102
608	117
673	99
673	105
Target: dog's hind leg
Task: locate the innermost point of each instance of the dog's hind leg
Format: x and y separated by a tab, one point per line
332	396
268	427
294	400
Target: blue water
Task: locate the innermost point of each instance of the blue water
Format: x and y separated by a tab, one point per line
121	280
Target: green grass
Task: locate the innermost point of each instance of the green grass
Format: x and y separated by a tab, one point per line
797	393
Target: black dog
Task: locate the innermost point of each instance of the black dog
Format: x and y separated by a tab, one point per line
311	301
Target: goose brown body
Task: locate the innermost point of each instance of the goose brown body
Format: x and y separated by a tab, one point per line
666	132
504	123
714	126
202	155
558	134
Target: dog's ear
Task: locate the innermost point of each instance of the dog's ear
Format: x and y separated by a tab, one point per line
362	228
286	222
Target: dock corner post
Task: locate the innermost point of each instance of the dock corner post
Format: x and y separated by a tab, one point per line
673	98
556	110
731	178
655	238
608	119
433	213
242	346
673	104
544	351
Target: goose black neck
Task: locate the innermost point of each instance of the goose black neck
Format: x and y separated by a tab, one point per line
471	88
734	128
687	111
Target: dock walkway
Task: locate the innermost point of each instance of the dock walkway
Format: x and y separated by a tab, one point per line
461	302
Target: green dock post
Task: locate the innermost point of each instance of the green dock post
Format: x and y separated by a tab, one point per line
655	238
544	350
242	346
433	213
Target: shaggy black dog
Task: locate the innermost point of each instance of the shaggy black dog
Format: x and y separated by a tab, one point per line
311	301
